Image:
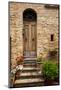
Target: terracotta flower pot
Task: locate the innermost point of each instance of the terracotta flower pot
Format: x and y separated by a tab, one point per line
19	60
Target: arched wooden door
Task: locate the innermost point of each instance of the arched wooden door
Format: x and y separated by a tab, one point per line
29	36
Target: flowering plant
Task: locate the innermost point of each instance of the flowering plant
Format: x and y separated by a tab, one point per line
19	60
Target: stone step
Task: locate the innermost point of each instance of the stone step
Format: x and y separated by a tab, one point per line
30	61
29	82
31	68
34	84
32	58
30	64
29	75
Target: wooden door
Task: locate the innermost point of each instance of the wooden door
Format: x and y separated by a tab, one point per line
29	38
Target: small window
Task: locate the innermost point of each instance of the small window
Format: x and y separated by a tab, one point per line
52	37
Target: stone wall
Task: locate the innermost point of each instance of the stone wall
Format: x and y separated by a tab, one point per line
47	24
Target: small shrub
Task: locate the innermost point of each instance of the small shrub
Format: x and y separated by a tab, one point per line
50	70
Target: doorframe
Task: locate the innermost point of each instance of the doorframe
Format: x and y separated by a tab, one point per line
36	30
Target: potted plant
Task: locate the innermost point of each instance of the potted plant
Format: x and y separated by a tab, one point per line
19	66
19	60
49	72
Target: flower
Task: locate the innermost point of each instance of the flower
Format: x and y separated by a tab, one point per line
19	60
13	71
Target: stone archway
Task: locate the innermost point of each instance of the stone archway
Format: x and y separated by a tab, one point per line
29	33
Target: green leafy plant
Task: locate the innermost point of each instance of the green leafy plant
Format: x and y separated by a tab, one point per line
50	70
